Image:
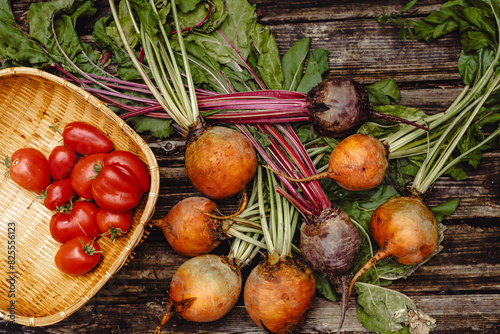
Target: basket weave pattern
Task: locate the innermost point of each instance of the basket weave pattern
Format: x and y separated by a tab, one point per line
30	102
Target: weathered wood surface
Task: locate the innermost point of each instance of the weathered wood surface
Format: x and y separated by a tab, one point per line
460	287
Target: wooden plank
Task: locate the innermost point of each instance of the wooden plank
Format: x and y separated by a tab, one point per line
369	52
276	12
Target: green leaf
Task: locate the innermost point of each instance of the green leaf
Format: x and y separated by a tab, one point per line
408	6
480	19
402	171
293	63
381	129
239	24
468	66
316	67
198	10
443	210
268	58
146	16
16	49
387	88
124	65
475	40
386	311
325	288
436	25
457	173
65	15
206	71
127	26
216	18
159	128
187	5
237	27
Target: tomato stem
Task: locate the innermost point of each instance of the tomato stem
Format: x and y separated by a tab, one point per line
54	127
89	248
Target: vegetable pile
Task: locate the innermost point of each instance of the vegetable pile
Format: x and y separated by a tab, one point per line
329	212
91	188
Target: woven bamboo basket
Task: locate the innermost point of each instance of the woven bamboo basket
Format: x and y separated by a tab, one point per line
33	291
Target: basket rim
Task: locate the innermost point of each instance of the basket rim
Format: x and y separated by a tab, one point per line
152	196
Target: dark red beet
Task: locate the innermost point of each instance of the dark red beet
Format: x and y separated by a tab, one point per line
338	106
331	245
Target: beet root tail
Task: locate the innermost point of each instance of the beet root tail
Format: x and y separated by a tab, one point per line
160	222
315	177
345	300
243	206
381	254
165	319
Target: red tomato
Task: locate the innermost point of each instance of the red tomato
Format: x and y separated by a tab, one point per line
113	224
114	190
85	139
59	194
78	256
84	173
81	221
61	162
133	165
28	168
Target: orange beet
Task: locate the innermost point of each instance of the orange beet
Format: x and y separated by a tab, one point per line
405	228
358	162
188	228
203	289
220	162
213	280
278	294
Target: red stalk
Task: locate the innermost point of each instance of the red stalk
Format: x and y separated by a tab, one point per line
294	201
141	55
313	189
105	58
289	157
272	163
255	77
199	24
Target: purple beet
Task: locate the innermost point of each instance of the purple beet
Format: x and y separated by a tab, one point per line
338	106
331	245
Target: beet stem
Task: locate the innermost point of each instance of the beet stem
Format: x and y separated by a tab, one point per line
199	24
270	161
254	76
376	114
292	145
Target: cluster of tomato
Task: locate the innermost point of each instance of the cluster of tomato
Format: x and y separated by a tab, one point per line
92	188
